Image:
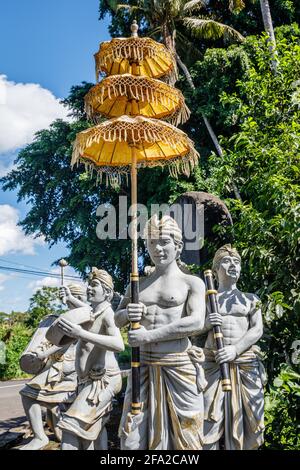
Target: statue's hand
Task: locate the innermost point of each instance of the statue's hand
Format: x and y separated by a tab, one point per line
64	293
138	337
69	328
136	311
226	354
214	319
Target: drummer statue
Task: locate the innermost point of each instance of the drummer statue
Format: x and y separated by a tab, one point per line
55	386
238	416
99	376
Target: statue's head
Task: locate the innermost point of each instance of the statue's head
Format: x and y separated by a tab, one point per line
100	286
163	240
227	263
78	291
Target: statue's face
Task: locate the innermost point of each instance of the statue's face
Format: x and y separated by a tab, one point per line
163	250
229	267
95	291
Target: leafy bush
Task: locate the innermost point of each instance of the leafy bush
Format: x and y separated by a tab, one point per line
15	335
282	411
17	329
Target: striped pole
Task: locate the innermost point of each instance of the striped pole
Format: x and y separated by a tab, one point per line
134	285
211	294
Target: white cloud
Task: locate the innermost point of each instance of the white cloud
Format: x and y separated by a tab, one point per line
25	108
12	237
45	282
49	281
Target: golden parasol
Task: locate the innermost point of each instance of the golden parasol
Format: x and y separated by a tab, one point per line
117	95
134	55
113	146
125	143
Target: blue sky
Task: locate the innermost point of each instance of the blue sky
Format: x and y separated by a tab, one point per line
45	48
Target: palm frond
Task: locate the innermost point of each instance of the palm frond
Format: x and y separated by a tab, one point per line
210	29
130	8
193	5
115	6
235	6
186	47
154	32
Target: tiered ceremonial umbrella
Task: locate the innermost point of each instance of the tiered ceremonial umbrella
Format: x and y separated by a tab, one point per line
133	95
138	138
134	55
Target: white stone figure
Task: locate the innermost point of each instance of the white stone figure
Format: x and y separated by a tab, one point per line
99	376
55	385
236	415
171	308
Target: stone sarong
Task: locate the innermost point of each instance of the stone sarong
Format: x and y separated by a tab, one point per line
239	414
90	410
172	403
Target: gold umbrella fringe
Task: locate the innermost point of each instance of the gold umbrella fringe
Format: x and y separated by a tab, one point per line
175	119
132	130
114	175
135	49
140	89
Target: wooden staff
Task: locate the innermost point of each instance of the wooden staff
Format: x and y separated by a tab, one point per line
62	263
134	285
211	293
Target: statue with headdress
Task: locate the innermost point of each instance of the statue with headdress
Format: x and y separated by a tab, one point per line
236	416
99	376
171	309
54	385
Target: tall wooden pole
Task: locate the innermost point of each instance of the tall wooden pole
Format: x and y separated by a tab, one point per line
62	263
211	294
134	284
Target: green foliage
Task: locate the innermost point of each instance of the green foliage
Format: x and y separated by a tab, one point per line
259	112
282	405
245	16
15	335
124	357
17	329
44	302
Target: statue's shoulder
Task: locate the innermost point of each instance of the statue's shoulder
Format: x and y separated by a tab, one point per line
254	301
194	281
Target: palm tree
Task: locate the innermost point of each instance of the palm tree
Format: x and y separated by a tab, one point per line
237	5
168	18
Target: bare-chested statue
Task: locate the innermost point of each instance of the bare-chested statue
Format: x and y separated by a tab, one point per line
238	416
55	386
171	308
99	376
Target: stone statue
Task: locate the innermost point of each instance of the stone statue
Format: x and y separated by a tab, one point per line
237	415
54	387
99	376
171	308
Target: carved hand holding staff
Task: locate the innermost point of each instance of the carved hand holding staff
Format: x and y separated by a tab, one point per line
211	293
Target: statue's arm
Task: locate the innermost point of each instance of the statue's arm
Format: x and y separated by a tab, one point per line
254	332
65	293
188	325
52	350
121	315
76	303
112	341
211	319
